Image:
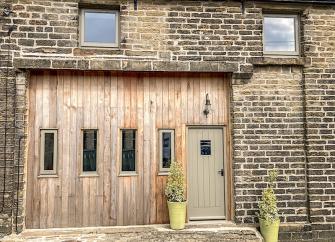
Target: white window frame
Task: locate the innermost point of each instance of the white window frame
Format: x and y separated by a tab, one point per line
160	143
42	151
296	32
99	44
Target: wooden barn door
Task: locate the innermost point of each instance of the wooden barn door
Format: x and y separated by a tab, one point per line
83	114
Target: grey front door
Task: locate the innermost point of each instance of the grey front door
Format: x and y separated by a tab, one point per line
206	188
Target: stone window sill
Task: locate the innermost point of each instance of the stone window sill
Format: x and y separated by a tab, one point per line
275	60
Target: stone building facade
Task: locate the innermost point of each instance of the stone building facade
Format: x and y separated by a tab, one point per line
282	109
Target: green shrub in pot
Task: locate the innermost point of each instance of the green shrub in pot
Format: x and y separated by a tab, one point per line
175	194
268	210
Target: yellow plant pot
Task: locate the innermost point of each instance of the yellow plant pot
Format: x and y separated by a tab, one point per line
177	214
270	231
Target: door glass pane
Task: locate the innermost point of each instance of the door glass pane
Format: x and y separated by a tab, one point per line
205	147
100	27
166	143
90	150
49	141
128	150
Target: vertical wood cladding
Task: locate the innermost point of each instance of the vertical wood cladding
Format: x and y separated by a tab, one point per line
109	102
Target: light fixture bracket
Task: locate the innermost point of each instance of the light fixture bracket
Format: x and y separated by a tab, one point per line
207	106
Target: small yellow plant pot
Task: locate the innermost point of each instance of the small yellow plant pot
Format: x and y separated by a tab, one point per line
177	214
270	231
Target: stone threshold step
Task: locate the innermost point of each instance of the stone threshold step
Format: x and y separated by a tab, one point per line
199	231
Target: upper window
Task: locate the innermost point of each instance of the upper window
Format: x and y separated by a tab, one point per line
99	28
90	150
48	152
166	149
128	151
281	35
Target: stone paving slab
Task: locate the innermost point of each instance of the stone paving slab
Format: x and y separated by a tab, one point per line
151	233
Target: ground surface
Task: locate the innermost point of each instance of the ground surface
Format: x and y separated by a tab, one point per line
193	232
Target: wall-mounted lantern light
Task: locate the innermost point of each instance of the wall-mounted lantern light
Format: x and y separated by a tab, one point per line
207	106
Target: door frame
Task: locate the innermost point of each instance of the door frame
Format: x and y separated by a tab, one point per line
228	186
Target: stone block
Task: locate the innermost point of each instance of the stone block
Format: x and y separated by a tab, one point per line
105	65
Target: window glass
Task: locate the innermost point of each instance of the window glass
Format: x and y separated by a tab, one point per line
49	141
205	147
90	150
280	34
100	28
48	152
166	143
128	150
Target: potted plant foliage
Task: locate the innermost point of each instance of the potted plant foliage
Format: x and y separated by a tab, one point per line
175	194
268	210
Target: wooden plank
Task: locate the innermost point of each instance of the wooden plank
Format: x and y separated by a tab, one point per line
53	100
78	142
184	104
127	100
72	151
198	101
86	122
190	101
138	200
171	102
145	166
31	151
165	212
114	147
52	183
36	161
215	96
221	93
120	191
59	114
101	162
106	159
65	176
165	104
166	118
178	118
150	204
159	124
45	113
93	186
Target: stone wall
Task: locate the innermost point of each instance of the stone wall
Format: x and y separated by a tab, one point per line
7	131
268	133
320	118
282	108
155	37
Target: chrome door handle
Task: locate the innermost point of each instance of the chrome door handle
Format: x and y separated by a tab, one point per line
221	172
